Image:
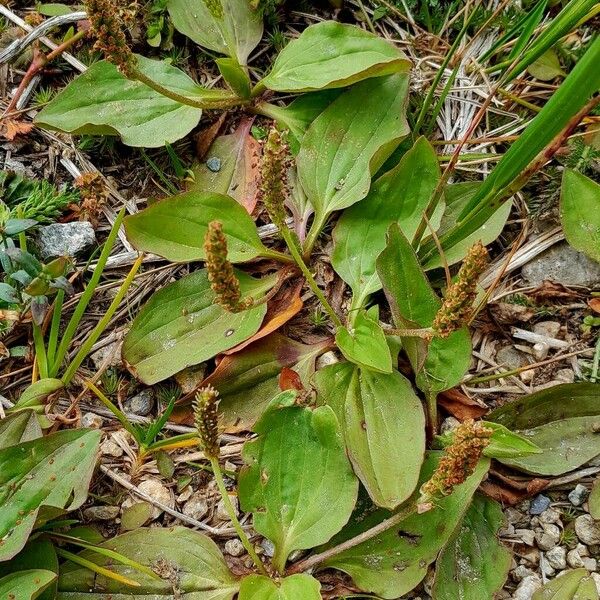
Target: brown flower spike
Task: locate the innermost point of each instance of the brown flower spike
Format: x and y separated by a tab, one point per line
273	177
223	281
460	295
206	420
458	462
110	37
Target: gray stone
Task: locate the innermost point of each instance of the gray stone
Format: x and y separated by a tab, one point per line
521	572
546	568
596	579
514	516
526	536
557	557
326	359
107	356
222	514
158	492
214	164
91	420
141	404
587	530
539	504
548	538
550	515
196	507
234	547
528	586
578	495
591	564
574	559
268	547
65	239
101	513
549	329
510	357
111	448
449	424
562	264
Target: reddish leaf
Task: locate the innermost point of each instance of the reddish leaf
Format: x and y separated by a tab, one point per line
280	310
207	136
231	167
460	406
13	128
594	304
290	380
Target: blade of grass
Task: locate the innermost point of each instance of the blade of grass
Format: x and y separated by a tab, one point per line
86	296
55	325
88	564
120	416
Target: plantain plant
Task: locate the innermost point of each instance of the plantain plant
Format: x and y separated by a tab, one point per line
352	476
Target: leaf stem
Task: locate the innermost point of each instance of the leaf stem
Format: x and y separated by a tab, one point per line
163	91
295	252
317	559
40	351
216	467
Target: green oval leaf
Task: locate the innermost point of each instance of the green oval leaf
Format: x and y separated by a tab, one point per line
26	585
441	363
35	394
183	557
227	26
119	106
175	227
20	426
52	471
594	500
364	343
181	326
551	404
395	562
298	482
474	565
333	55
399	196
573	585
508	444
376	411
349	141
580	213
295	587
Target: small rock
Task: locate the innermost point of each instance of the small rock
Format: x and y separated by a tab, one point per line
587	530
550	515
521	572
574	559
582	549
141	404
507	531
510	357
268	547
596	579
65	239
528	586
185	495
526	536
540	351
578	495
548	538
546	568
563	264
157	491
222	514
591	564
109	355
196	507
557	557
110	448
565	376
91	420
234	547
101	513
213	164
539	504
550	329
326	359
514	516
530	556
449	424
